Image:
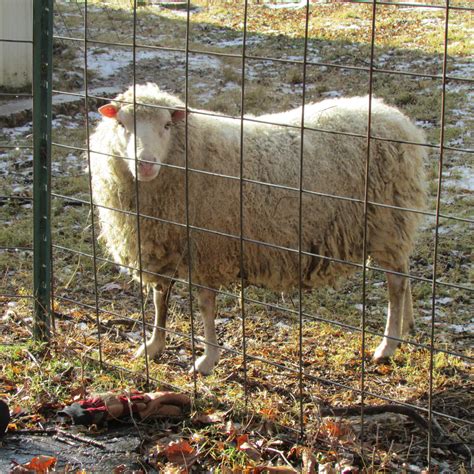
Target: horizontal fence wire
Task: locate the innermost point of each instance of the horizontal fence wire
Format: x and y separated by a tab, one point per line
291	368
262	243
270	306
295	62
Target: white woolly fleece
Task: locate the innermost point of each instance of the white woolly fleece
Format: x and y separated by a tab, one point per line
333	165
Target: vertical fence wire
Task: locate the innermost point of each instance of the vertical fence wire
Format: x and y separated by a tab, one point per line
241	206
436	234
137	194
366	215
187	200
300	227
91	197
42	98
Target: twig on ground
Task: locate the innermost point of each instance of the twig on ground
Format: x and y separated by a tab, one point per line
55	432
355	410
281	454
82	439
106	325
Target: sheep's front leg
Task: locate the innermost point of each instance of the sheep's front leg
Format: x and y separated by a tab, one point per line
207	306
408	324
156	344
397	286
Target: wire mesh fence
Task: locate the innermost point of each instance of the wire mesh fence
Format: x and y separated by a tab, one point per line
295	357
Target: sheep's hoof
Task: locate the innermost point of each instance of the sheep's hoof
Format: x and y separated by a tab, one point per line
383	353
152	353
381	360
204	365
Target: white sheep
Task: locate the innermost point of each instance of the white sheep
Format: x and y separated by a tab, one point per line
333	165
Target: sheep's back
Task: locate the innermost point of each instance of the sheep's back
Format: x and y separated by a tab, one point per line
333	167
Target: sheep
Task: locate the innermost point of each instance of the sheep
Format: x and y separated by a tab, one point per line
332	228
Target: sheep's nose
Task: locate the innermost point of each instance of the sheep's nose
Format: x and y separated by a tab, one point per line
146	169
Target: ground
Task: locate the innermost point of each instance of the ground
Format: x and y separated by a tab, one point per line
255	411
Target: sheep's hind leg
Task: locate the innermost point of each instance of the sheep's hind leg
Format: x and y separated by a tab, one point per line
397	286
156	344
207	305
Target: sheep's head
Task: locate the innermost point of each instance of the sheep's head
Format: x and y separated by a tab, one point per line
147	148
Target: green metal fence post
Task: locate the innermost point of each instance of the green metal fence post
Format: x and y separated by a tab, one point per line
42	94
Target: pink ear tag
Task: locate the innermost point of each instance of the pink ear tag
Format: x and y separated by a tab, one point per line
108	110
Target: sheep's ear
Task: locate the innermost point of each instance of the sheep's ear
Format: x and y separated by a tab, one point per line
178	115
109	111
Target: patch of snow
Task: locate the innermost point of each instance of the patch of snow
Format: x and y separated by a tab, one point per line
94	116
465	181
345	27
332	94
443	230
290	6
180	13
464	70
459	112
424	124
238	42
461	328
71	158
65	123
383	59
17	131
229	86
221	320
445	300
203	61
252	70
294	58
431	21
108	63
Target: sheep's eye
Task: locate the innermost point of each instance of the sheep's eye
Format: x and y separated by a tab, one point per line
121	124
168	125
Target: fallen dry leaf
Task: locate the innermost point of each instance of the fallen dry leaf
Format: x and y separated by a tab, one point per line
334	429
250	450
241	440
209	419
38	465
111	287
269	413
384	369
181	453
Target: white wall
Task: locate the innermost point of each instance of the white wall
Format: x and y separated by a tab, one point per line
16	59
